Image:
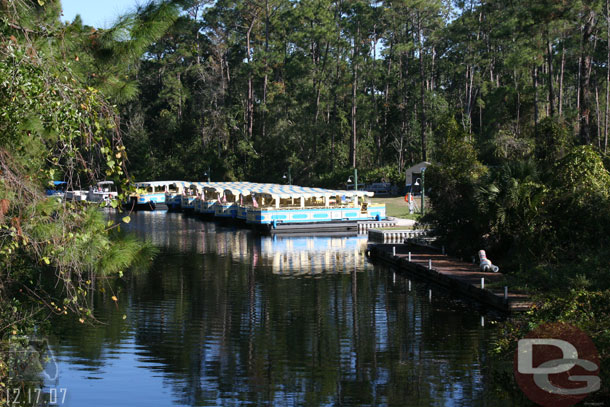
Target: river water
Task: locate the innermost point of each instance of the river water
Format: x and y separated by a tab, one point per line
228	317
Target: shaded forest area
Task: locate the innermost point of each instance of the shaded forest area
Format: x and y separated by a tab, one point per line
252	88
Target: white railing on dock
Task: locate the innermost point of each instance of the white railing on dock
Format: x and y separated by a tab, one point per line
395	236
365	226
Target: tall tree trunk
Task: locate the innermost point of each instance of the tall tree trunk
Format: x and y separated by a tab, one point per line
374	97
599	136
432	69
518	107
354	144
318	91
250	101
607	78
335	112
266	77
422	88
585	83
563	61
386	104
535	81
550	77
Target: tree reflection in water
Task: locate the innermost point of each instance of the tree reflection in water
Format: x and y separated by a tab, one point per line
227	317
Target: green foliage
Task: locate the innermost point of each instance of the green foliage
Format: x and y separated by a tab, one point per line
52	127
511	205
552	140
451	188
582	177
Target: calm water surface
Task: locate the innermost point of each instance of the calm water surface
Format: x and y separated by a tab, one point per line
228	317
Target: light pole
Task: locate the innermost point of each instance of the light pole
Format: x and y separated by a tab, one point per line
289	177
349	179
423	190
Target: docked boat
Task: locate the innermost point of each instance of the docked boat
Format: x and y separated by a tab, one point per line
173	195
150	195
57	190
232	204
76	195
213	201
272	207
293	208
191	193
102	192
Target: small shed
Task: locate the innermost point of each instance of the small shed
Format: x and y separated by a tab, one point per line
414	172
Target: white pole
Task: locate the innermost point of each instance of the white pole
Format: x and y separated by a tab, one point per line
505	293
409	257
393	250
429	264
482	282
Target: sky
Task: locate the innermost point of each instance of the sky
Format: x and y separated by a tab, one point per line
97	13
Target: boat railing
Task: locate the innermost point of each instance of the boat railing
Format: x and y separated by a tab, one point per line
296	208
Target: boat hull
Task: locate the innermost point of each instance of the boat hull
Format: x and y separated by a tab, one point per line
274	217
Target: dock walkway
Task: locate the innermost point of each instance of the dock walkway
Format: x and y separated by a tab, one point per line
456	275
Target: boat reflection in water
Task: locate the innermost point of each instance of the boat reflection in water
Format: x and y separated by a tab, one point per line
284	254
313	255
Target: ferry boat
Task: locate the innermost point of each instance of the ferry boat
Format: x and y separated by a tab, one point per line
232	204
173	195
188	198
295	208
214	202
150	195
206	204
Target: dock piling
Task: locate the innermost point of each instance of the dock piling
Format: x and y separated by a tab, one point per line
482	282
409	257
429	264
393	250
505	293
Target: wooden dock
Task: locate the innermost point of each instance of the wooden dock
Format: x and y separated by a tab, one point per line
453	274
355	227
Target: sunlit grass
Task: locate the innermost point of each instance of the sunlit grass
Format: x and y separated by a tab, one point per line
397	207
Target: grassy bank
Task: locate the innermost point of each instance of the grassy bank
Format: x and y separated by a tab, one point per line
397	207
